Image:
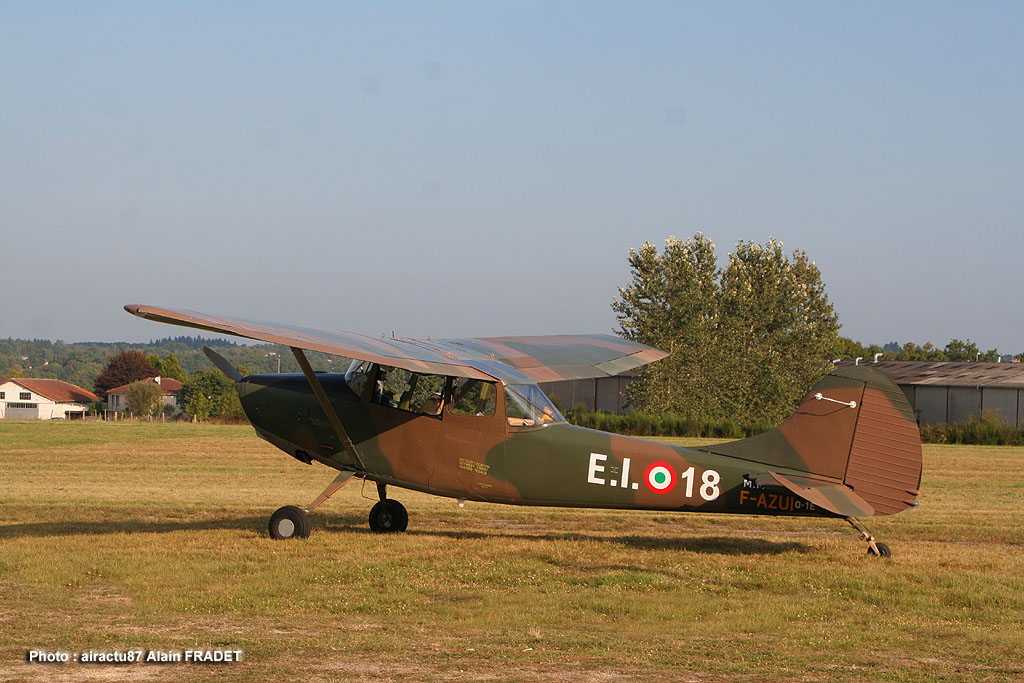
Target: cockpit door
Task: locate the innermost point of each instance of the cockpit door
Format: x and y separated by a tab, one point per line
470	459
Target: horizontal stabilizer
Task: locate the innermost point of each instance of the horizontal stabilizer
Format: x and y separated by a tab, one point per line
222	364
837	498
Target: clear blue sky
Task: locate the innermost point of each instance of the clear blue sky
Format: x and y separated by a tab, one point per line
471	169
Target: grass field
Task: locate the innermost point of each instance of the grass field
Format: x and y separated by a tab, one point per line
151	536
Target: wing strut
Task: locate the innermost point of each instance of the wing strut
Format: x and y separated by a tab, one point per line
328	409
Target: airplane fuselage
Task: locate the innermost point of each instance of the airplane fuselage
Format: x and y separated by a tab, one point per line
485	458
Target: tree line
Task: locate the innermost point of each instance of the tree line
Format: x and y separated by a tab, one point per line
100	367
955	350
80	363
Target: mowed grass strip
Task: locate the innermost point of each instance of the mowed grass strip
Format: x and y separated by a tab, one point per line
153	536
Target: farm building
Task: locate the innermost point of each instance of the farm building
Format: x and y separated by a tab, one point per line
953	391
43	399
170	388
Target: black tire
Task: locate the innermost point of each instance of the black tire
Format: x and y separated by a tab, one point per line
289	522
883	550
388	516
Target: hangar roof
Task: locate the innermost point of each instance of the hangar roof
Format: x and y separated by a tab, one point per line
951	373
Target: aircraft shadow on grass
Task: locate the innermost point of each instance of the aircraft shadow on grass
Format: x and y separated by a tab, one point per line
717	545
128	526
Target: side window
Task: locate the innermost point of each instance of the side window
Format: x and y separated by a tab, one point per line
1	394
473	397
410	391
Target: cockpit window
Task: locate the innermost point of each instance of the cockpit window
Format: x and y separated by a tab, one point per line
526	405
473	397
410	391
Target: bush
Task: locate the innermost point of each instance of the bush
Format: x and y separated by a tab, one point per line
144	398
987	430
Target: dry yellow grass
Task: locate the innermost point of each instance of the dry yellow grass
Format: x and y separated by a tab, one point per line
154	536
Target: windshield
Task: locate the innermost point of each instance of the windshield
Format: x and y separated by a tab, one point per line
526	405
358	375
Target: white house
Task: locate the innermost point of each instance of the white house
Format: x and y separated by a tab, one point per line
43	399
170	388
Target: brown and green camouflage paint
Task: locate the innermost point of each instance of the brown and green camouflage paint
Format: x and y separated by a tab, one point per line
829	459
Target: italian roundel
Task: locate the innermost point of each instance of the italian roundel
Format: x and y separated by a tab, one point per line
660	477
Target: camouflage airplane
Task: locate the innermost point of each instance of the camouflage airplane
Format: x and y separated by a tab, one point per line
464	418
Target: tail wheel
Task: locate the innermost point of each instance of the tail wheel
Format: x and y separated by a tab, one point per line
883	550
388	515
289	522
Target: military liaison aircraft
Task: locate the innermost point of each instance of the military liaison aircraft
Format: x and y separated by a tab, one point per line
464	418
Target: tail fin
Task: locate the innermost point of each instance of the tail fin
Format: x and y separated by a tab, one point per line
852	447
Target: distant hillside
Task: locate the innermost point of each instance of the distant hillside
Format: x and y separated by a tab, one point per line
81	362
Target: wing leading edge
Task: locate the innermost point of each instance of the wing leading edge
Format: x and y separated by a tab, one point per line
540	359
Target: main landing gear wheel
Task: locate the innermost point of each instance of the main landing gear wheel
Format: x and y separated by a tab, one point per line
388	515
289	522
883	550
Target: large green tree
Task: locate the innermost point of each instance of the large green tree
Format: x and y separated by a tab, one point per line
776	332
745	342
168	367
672	304
209	394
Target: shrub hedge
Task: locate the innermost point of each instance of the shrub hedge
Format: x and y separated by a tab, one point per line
988	430
666	424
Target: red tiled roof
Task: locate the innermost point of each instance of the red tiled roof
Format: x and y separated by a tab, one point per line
56	390
168	386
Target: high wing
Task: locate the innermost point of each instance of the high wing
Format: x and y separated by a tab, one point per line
511	359
557	357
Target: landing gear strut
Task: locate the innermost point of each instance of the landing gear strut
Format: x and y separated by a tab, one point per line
875	548
388	515
293	522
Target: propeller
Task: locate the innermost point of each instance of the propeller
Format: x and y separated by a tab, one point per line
222	364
